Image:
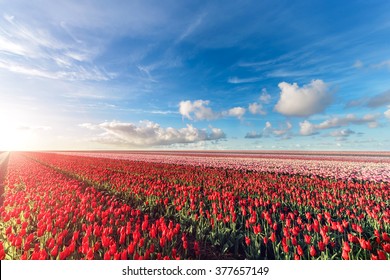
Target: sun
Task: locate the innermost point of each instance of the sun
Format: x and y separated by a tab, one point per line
11	139
13	136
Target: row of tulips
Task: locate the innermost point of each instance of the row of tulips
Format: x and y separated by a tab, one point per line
245	214
47	215
367	167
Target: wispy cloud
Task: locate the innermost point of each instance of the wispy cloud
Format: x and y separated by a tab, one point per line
383	64
375	101
37	52
379	100
307	128
284	73
236	80
283	131
342	133
358	64
191	28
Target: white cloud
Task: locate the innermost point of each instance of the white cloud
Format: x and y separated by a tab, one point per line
283	130
191	28
89	126
268	130
358	64
237	112
375	101
342	133
29	49
307	128
78	73
310	99
387	113
348	119
148	133
383	64
236	80
265	97
379	100
197	110
256	109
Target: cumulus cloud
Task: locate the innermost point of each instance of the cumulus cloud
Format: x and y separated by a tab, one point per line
148	133
265	97
237	112
308	128
197	110
303	101
256	109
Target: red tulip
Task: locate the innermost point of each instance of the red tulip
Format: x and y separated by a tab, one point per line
307	238
346	247
299	250
321	246
130	248
345	255
107	255
313	251
54	252
256	229
247	241
385	237
2	253
386	247
273	237
90	254
196	248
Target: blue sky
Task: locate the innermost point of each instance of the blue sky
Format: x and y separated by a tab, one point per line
270	75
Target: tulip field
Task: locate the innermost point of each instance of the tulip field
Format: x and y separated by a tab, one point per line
133	206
